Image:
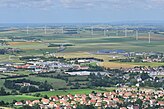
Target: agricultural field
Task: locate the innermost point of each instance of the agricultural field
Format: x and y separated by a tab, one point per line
73	92
115	65
84	43
128	64
30	96
10	98
56	83
84	46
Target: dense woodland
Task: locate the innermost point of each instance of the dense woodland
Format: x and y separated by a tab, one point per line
33	87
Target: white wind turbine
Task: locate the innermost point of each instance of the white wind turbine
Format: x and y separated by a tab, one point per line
126	32
92	31
149	34
104	31
117	30
45	29
62	30
27	30
137	35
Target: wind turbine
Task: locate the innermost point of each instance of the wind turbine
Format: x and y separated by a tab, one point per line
149	36
92	30
78	30
117	30
45	29
126	32
62	29
136	34
27	29
104	32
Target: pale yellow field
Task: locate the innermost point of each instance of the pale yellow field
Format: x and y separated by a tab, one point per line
83	55
156	38
5	108
116	65
21	43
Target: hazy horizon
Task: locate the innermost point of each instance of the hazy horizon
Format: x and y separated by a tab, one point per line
81	11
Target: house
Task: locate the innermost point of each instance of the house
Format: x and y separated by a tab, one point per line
36	102
28	102
51	105
45	101
123	108
161	103
54	98
116	99
92	101
3	69
127	94
130	107
136	107
98	104
18	104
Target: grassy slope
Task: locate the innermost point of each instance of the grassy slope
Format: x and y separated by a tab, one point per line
56	83
76	91
10	98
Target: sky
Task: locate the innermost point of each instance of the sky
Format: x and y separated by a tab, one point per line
80	11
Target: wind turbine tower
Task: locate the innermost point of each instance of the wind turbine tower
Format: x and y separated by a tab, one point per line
27	30
136	34
104	31
117	30
149	36
92	31
45	29
78	30
62	29
126	32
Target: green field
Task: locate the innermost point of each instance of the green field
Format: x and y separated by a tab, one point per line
73	92
1	85
10	98
56	83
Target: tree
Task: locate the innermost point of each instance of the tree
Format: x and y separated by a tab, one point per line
139	101
14	92
2	103
144	76
25	107
2	91
37	94
45	96
14	101
77	85
36	106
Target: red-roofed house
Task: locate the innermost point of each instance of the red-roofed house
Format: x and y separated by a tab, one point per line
18	104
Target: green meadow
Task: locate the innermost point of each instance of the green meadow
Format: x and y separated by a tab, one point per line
30	96
10	98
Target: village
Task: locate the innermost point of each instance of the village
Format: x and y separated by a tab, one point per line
123	98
